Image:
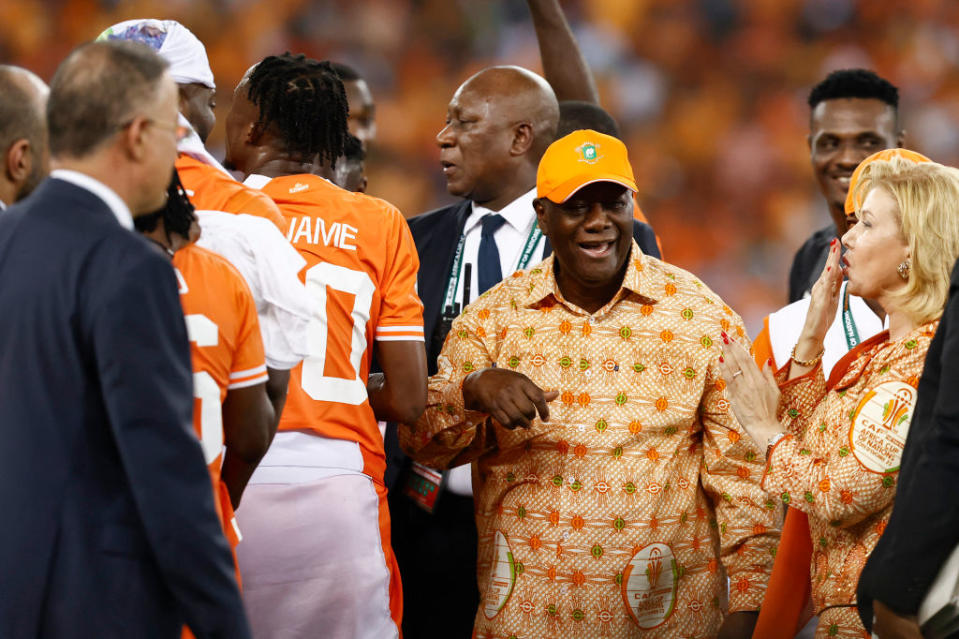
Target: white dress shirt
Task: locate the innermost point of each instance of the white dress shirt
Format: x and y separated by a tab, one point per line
510	240
101	190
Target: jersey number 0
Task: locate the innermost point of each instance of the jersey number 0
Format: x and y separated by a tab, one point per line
358	283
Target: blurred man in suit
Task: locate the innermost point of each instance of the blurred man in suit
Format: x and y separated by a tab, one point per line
116	533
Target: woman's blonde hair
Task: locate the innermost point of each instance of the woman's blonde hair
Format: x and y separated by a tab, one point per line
928	198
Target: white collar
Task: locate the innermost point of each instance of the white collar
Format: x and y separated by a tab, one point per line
519	213
256	181
3	205
119	208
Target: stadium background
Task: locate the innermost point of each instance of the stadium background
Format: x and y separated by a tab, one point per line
710	94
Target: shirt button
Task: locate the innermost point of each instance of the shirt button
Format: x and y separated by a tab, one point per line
589	373
571	479
565	535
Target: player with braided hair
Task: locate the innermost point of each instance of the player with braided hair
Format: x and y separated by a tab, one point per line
316	554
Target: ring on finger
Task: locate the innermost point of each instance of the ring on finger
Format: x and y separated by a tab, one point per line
739	372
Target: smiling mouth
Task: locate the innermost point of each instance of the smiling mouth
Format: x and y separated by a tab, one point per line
843	181
447	166
597	249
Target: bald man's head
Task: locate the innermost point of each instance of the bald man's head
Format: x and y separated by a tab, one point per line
23	132
498	125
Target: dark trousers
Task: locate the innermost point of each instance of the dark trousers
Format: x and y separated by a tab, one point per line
437	559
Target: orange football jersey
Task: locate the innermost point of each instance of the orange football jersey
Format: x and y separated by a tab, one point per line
212	190
225	347
361	273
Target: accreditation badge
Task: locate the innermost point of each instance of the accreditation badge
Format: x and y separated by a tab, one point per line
423	486
880	424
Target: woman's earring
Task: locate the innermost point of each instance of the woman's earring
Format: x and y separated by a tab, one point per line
904	270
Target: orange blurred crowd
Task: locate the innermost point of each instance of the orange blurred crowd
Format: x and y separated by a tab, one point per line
711	95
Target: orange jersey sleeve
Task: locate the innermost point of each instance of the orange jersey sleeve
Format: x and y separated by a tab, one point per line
361	275
211	190
401	311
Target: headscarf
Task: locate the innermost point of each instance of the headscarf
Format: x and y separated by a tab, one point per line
174	42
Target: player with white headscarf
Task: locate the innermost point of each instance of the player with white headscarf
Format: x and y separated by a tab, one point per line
240	223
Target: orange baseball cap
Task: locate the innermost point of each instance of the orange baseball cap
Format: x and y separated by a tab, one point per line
580	158
887	154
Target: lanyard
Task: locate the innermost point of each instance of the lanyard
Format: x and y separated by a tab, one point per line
453	282
848	322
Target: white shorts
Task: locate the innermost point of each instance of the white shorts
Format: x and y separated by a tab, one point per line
313	561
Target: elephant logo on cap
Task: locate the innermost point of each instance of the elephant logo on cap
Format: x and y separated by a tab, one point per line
589	153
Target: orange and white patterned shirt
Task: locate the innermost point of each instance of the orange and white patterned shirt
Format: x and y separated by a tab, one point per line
361	276
225	348
605	521
840	461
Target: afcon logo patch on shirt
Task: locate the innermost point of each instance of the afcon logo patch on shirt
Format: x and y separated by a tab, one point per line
588	153
649	586
880	424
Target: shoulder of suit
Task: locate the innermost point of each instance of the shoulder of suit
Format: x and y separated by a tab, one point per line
430	218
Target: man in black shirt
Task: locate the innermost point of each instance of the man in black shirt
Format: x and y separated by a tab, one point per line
853	114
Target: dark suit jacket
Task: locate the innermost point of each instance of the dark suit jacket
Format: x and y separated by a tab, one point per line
924	527
109	525
809	262
436	235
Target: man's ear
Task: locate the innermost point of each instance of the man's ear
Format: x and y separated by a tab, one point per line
901	139
254	131
18	162
540	209
134	138
523	136
809	142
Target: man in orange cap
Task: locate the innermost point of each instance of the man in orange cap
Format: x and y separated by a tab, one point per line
586	390
499	123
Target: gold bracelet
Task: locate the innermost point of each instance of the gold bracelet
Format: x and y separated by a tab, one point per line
807	363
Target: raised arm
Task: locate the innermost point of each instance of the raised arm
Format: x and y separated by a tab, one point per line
563	63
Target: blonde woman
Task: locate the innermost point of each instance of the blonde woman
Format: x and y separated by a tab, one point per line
833	448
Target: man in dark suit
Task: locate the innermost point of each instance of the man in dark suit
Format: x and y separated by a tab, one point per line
111	529
924	527
499	123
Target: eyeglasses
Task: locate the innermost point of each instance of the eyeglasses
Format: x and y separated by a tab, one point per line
179	131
